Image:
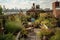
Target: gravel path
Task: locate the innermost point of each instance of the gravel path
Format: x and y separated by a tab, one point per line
33	35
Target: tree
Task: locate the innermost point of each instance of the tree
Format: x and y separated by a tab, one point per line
0	10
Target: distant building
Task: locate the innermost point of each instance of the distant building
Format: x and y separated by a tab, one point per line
4	8
48	10
34	10
56	9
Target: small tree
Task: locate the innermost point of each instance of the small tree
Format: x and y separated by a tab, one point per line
0	10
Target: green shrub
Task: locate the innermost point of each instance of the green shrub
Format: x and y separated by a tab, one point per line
45	32
13	26
8	36
56	36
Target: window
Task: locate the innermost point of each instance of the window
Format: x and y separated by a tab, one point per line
57	4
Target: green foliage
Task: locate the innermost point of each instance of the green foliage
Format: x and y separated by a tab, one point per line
12	26
1	37
47	19
24	32
56	36
0	10
45	32
8	36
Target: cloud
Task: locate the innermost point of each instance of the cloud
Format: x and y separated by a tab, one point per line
26	3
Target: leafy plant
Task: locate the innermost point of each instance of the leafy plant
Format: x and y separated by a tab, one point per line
8	36
56	36
13	26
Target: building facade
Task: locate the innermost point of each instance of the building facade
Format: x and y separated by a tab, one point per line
56	9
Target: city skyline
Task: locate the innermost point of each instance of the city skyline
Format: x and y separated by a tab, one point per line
26	4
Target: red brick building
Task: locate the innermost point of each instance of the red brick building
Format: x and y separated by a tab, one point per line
56	9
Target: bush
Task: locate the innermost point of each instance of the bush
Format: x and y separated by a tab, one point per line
45	32
48	19
8	36
56	36
12	26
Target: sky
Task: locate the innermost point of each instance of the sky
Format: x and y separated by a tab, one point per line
26	4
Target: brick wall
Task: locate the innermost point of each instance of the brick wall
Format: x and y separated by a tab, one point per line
56	12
